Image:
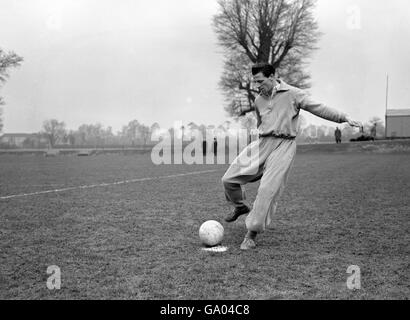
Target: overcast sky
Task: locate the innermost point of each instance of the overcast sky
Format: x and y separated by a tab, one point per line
112	61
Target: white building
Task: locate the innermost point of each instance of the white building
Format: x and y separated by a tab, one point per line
398	123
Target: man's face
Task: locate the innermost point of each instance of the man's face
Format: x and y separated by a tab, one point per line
263	84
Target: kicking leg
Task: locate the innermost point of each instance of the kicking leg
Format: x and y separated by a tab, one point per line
247	167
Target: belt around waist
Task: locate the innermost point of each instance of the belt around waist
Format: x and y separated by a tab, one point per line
277	135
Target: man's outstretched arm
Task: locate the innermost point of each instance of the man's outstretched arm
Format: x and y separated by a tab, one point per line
325	112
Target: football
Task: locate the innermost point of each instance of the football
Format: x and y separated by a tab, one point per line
211	233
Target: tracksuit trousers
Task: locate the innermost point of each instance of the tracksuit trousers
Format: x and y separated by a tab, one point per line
269	160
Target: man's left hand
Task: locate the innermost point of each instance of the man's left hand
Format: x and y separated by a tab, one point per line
354	123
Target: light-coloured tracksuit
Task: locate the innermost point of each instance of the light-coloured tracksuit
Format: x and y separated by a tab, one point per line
270	158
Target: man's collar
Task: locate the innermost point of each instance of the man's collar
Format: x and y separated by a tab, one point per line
283	86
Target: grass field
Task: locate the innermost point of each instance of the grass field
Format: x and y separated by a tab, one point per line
139	240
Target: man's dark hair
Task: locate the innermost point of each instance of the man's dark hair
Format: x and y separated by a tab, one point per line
266	69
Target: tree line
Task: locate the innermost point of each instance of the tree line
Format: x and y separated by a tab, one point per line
54	133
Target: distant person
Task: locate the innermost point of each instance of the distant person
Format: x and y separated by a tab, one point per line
204	147
373	131
215	146
338	135
277	109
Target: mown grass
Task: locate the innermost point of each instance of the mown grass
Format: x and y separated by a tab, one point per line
140	240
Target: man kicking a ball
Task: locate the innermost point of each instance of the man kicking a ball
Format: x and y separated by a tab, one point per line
277	110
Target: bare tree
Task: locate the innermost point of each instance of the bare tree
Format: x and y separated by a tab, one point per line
7	60
137	133
93	134
54	131
71	138
145	133
281	32
131	131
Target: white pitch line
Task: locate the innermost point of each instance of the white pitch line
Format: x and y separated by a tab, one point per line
104	184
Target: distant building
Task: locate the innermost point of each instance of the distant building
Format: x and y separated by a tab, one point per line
22	140
398	123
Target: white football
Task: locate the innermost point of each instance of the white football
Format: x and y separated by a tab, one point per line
211	233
